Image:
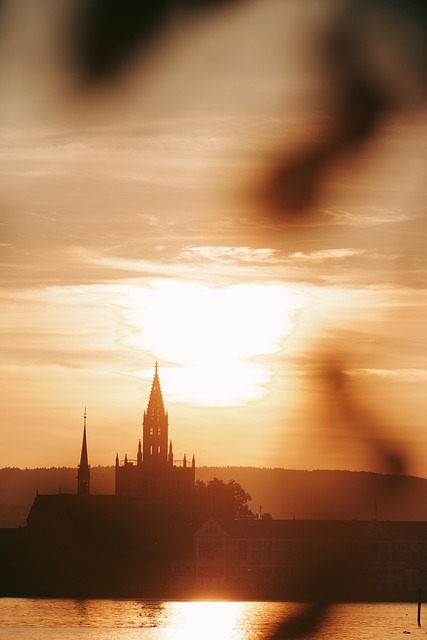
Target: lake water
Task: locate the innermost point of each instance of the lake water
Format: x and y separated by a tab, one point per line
28	619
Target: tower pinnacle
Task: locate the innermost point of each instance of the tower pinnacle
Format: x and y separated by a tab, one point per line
155	406
155	425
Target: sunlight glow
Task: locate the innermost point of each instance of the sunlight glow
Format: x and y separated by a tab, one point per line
209	620
212	336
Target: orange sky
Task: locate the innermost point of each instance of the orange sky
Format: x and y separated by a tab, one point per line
128	235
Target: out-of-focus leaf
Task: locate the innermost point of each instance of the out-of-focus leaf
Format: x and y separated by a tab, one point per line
107	34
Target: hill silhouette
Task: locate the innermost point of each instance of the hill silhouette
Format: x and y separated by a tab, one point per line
284	493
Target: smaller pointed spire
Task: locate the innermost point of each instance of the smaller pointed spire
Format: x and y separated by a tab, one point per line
170	456
83	472
184	462
193	462
139	454
117	460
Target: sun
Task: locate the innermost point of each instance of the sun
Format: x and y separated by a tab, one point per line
211	338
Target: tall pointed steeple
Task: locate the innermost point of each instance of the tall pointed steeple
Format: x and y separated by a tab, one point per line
155	426
156	408
83	472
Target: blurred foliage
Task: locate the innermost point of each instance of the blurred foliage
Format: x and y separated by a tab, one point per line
222	500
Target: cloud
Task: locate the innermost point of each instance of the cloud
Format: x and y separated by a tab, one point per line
325	254
368	217
151	221
221	264
406	375
231	254
214	264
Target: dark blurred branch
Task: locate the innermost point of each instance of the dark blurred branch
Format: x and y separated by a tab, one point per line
303	624
368	74
106	35
368	428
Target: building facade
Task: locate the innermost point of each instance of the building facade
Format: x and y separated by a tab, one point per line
300	560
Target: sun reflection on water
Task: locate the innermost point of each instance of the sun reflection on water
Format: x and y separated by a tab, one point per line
208	620
46	619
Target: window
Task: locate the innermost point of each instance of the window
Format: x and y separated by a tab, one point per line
211	529
268	555
256	556
151	431
242	550
214	571
279	557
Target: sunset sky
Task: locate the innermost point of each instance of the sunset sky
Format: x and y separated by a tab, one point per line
130	235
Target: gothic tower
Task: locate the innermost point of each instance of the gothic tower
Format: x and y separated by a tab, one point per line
83	472
155	477
155	427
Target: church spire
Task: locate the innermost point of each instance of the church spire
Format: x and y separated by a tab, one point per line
155	426
155	407
83	472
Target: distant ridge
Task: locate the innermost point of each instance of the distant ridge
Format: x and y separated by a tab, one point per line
284	493
323	494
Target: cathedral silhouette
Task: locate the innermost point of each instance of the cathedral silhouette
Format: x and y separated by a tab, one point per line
153	477
94	545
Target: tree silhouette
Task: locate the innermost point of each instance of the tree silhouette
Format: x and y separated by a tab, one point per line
223	500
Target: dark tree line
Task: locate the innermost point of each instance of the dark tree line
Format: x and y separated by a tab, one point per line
223	500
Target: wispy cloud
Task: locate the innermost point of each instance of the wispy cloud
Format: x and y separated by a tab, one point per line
230	254
222	264
325	254
151	221
214	264
406	375
367	217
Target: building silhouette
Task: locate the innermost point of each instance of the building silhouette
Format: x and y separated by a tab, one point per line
154	477
93	545
150	539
